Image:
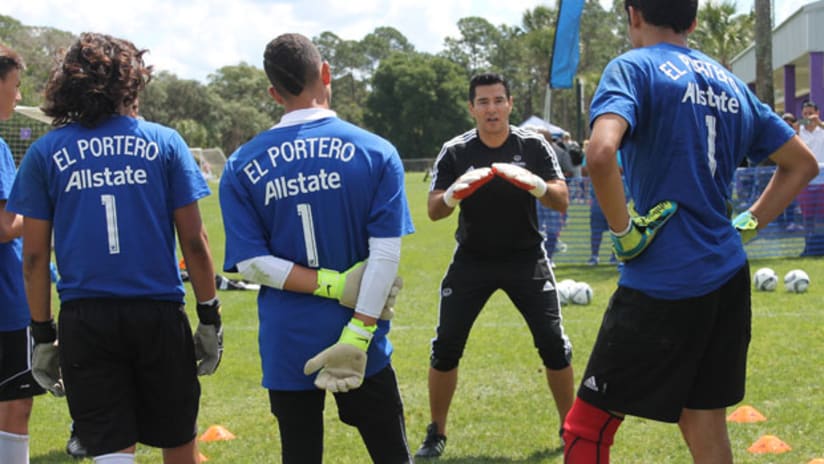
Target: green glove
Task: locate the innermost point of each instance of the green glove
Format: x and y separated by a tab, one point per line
641	230
342	365
342	286
45	364
747	225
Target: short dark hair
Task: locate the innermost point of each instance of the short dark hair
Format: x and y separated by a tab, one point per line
291	61
486	79
98	75
9	59
675	14
809	104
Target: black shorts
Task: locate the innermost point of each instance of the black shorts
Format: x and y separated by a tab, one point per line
375	409
16	381
653	357
528	281
130	373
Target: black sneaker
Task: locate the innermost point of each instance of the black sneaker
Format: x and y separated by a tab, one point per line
433	444
74	448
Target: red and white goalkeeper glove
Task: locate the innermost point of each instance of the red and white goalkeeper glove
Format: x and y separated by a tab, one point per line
466	185
521	178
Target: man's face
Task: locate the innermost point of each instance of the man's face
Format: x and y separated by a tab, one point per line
491	109
9	93
809	112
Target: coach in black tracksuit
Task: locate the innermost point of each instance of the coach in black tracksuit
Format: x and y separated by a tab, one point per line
495	172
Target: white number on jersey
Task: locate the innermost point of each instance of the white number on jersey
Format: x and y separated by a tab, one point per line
110	205
710	120
305	213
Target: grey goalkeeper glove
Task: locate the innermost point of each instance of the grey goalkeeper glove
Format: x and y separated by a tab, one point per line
208	337
343	365
45	364
389	307
342	286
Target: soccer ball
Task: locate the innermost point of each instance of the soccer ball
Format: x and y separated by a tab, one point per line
765	279
796	281
563	289
581	293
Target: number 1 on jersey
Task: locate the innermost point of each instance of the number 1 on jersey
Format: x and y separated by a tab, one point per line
711	133
110	205
305	213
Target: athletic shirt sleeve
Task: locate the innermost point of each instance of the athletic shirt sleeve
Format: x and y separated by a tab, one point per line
7	170
30	193
187	182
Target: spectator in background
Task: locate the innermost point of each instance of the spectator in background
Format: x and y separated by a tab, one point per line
811	131
550	221
787	219
17	386
597	221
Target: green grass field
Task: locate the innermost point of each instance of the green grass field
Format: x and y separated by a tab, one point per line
502	412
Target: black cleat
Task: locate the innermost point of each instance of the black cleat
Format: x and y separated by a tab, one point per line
433	445
76	449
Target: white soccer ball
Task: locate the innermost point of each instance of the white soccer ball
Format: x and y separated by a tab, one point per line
562	289
765	279
581	293
796	281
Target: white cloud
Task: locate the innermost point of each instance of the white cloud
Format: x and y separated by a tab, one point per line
193	38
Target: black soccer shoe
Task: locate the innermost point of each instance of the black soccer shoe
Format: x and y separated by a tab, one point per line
74	448
433	445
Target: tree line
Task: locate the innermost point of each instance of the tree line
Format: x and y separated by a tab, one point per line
415	99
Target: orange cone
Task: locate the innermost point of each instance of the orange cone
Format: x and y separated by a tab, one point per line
746	414
769	444
201	457
216	433
816	461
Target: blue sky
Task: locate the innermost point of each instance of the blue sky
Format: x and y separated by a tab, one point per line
192	38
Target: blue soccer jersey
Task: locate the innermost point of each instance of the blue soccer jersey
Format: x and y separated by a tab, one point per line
312	192
14	310
691	124
110	192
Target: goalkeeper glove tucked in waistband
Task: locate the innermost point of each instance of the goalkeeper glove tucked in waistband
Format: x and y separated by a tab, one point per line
641	230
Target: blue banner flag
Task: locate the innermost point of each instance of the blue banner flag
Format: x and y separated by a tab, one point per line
565	51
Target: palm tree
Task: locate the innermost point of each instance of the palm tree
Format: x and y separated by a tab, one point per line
763	52
720	33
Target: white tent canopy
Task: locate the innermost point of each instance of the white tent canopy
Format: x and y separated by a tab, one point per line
535	121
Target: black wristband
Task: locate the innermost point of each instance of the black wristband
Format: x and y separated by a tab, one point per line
44	332
209	314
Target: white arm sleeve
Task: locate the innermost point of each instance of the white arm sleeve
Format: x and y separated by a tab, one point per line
380	273
266	270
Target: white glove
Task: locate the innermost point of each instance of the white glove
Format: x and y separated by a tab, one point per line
521	178
45	363
208	338
343	365
389	307
466	185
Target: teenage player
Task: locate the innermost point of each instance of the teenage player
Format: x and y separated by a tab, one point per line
673	342
304	204
17	386
495	171
114	190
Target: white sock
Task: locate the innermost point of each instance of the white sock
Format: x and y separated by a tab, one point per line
115	458
14	449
